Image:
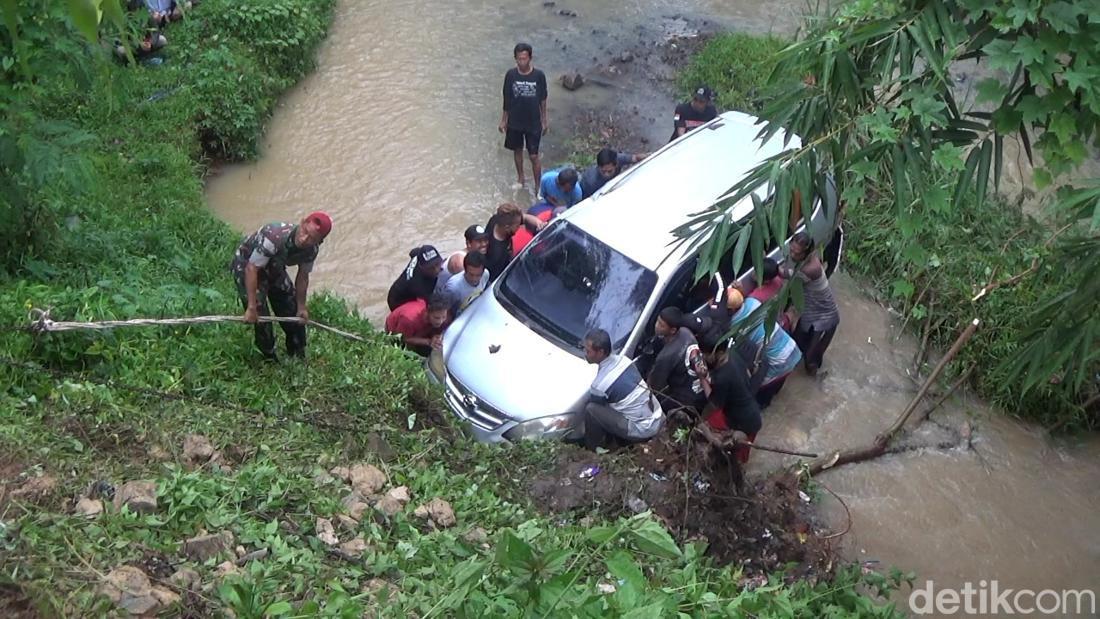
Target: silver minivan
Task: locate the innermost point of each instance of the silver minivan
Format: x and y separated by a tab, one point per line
512	363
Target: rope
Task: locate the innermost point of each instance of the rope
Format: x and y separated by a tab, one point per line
42	323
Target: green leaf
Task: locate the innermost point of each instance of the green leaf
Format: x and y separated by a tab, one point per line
623	567
1001	55
469	572
85	16
1062	16
991	90
515	554
948	157
652	611
1033	109
902	289
112	9
796	293
278	609
1042	178
1028	51
1064	126
601	535
740	247
982	180
649	536
1081	78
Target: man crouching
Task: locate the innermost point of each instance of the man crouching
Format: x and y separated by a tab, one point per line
620	404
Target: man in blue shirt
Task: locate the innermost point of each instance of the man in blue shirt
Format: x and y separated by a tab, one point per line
561	187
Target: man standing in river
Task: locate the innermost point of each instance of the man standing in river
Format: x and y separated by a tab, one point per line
259	268
524	120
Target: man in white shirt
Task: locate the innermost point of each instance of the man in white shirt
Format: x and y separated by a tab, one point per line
471	281
620	404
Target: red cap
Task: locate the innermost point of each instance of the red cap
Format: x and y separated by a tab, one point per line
323	221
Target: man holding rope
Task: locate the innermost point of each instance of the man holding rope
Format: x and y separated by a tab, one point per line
259	268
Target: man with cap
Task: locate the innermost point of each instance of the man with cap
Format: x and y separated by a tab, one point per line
477	240
418	279
694	113
259	269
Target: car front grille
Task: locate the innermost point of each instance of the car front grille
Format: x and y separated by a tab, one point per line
473	408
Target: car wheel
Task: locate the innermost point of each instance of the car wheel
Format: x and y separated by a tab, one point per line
833	251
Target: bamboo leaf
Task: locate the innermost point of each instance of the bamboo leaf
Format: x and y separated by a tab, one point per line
85	17
796	292
967	174
998	160
742	244
983	170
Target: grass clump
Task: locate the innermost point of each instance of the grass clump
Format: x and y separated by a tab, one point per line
737	67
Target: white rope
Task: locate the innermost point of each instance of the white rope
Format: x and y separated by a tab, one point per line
41	323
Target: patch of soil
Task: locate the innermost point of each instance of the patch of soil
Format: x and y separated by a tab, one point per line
10	470
156	565
14	602
109	437
690	486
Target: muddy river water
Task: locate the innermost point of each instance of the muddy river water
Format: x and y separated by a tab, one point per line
395	135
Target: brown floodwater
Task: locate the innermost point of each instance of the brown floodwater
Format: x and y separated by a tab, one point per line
395	135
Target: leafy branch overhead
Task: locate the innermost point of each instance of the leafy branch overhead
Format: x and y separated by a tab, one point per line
871	90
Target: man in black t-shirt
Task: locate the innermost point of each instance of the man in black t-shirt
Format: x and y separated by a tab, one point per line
731	404
524	118
501	228
693	113
417	281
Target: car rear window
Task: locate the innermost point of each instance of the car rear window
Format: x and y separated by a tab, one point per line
568	282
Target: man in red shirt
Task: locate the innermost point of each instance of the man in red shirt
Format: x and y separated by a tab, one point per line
420	324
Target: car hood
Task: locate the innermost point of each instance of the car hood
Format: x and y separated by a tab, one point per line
527	377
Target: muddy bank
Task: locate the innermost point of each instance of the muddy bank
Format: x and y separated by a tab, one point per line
763	527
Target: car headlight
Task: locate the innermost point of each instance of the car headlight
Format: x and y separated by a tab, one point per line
553	427
436	366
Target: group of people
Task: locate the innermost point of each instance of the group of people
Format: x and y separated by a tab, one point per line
692	366
161	13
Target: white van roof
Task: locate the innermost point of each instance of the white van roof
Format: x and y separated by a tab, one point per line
637	213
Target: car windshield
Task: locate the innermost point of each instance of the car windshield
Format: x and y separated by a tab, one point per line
568	282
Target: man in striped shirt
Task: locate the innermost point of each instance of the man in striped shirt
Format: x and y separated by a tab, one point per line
620	404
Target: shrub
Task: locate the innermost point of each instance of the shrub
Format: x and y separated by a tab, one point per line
737	67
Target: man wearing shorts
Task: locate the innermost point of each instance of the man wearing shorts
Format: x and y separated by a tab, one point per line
524	118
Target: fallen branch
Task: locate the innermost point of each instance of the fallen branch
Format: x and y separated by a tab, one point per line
882	441
946	394
1015	279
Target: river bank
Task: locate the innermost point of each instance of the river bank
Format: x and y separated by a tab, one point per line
867	383
165	471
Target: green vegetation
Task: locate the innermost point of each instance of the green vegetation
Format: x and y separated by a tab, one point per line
101	204
870	87
737	67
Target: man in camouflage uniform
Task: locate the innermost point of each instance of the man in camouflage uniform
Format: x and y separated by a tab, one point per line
259	269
